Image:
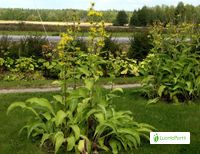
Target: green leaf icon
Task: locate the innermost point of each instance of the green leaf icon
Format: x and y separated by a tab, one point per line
156	138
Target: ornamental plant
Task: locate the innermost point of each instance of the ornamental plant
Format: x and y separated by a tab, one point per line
171	69
83	120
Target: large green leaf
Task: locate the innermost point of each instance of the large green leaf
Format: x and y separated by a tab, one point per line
81	145
60	116
113	145
84	70
59	140
76	131
70	143
15	105
59	99
45	137
41	102
22	105
161	90
101	144
34	126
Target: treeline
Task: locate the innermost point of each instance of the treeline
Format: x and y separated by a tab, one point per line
165	14
64	15
141	17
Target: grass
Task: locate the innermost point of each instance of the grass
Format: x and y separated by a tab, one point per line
40	33
164	116
48	83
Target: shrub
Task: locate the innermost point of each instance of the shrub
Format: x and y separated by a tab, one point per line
24	64
111	47
5	44
31	46
1	64
172	68
50	69
140	45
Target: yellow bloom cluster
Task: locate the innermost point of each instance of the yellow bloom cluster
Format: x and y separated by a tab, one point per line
65	39
93	13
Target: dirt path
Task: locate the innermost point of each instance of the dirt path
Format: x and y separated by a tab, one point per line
33	90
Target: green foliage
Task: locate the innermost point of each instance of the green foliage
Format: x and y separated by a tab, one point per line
82	120
31	46
165	14
4	46
121	19
1	64
110	47
64	15
25	65
122	66
140	45
172	68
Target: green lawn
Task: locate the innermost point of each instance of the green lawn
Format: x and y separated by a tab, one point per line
164	116
48	83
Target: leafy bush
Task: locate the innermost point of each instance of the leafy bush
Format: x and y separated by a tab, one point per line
9	64
24	64
83	120
140	45
50	68
5	43
172	68
31	46
122	66
1	64
111	47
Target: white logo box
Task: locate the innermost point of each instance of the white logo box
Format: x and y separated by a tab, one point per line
169	137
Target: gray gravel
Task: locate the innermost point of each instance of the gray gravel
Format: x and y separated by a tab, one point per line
33	90
16	38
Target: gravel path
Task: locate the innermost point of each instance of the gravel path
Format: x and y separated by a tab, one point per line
17	38
32	90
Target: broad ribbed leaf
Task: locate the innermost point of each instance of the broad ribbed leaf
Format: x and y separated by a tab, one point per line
60	116
161	90
76	131
22	105
101	144
47	115
59	140
59	99
44	138
70	143
84	70
35	125
41	102
113	145
81	145
15	105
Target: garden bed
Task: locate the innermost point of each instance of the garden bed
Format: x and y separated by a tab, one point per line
165	117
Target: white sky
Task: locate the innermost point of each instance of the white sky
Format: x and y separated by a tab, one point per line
84	4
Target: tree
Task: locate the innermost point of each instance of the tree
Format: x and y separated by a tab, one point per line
134	21
121	19
180	13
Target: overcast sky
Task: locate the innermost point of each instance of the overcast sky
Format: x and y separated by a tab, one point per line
84	4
